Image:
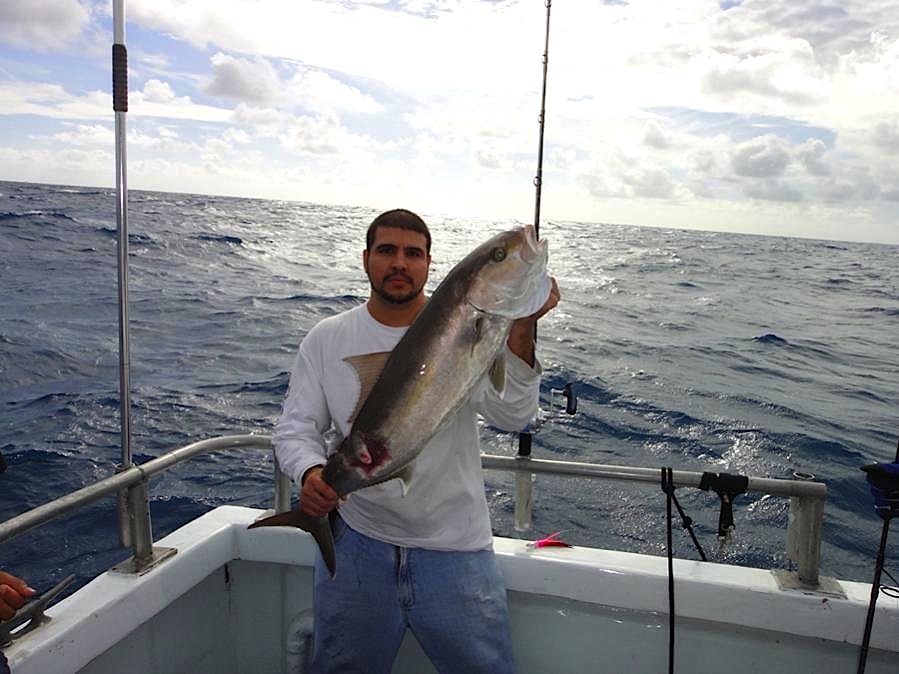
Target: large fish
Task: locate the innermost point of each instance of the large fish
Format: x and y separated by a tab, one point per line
408	394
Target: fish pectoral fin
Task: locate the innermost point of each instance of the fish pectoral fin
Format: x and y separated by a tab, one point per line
368	368
405	477
497	373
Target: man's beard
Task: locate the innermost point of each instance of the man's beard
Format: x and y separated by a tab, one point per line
393	298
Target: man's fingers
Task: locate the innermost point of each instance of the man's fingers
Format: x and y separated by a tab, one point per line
10	601
316	501
16	584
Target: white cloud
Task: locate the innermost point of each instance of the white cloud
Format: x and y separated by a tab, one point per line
52	100
772	190
762	157
320	91
650	182
654	136
156	91
83	134
250	80
811	154
42	25
784	72
158	99
266	121
886	136
164	140
322	135
238	136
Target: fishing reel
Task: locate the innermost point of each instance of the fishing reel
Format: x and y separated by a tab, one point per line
570	407
883	480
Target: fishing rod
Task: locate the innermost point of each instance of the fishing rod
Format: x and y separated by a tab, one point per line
538	179
523	481
883	479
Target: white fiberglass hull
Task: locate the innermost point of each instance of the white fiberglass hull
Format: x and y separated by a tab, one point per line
233	600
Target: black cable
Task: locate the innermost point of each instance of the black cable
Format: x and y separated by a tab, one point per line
668	488
688	525
875	590
890	590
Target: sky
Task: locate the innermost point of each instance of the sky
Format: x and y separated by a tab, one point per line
756	116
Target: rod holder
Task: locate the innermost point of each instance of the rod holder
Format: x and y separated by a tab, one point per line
806	522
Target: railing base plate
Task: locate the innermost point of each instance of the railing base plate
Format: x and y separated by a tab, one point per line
789	580
133	566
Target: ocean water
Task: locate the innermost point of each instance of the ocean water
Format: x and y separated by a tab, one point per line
701	351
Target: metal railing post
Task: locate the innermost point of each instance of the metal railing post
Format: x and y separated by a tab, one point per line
804	530
283	487
140	525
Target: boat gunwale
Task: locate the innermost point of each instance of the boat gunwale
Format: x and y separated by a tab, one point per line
111	606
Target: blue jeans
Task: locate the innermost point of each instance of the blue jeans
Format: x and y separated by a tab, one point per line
454	603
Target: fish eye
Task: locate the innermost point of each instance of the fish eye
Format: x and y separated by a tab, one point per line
498	254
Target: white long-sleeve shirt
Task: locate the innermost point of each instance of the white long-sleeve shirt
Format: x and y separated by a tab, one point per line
445	507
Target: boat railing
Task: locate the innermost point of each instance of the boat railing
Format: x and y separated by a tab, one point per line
806	496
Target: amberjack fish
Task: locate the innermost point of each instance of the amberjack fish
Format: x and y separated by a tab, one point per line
408	394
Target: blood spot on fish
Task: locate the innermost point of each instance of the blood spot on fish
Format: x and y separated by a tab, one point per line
374	454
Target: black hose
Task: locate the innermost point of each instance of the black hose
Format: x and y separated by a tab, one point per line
668	488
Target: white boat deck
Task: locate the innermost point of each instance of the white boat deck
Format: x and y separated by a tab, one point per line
231	600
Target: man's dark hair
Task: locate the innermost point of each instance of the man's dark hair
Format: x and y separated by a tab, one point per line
402	219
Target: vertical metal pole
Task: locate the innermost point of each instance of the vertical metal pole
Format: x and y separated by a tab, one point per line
142	529
283	486
524	481
120	106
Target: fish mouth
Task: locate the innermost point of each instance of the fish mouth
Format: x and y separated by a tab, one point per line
532	248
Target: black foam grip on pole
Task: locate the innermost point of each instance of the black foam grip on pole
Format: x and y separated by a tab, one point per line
119	78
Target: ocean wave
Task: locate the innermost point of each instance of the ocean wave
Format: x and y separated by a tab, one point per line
220	238
886	311
36	214
770	338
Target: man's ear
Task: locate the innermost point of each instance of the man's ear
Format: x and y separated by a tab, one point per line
365	260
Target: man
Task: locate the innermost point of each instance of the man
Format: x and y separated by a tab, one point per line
423	560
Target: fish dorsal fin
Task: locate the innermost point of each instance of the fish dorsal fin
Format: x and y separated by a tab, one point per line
497	373
368	368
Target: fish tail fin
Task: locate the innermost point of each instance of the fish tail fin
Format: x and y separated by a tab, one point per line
319	527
